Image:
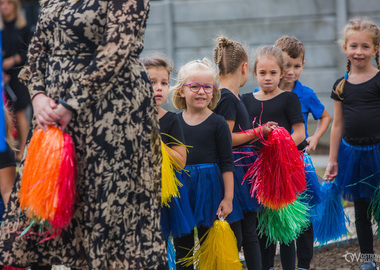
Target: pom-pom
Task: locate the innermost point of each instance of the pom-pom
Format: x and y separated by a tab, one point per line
169	181
217	251
331	225
47	192
278	174
65	187
375	208
285	224
171	255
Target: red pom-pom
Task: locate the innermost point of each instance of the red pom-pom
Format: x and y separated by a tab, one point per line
278	174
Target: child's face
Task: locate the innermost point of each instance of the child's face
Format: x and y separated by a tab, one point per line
359	48
159	77
293	68
199	99
268	74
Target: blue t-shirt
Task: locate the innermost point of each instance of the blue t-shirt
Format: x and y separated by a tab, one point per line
309	102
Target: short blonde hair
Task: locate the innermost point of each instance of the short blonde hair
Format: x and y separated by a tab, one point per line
205	64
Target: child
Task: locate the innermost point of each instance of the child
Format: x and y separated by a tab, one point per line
232	61
208	174
172	222
7	165
355	133
270	103
294	53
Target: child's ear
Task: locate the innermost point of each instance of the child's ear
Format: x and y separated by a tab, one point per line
376	49
181	93
282	73
244	68
345	48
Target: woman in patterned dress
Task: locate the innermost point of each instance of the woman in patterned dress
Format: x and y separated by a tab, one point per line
84	73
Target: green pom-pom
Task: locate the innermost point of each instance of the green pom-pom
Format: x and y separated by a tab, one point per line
284	225
374	207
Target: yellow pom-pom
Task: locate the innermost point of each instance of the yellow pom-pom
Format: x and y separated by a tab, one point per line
218	250
169	181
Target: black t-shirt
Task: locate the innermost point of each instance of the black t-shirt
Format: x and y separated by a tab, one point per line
361	109
170	124
232	108
285	109
210	142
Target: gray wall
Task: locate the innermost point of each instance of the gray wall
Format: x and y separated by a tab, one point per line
186	30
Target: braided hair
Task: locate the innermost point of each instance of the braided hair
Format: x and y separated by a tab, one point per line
358	24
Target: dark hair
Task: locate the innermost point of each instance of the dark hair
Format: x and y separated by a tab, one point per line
292	46
228	55
158	61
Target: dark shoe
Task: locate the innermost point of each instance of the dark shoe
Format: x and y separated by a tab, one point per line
368	266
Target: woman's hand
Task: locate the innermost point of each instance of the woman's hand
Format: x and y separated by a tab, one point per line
43	108
331	171
225	208
65	116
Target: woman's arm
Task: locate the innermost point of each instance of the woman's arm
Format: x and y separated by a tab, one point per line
335	138
125	21
322	125
225	206
298	134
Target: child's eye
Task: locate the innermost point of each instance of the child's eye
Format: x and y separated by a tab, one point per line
274	72
153	83
164	83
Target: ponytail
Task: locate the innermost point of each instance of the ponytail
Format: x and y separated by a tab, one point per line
340	86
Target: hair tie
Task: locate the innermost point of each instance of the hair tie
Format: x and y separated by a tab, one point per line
346	75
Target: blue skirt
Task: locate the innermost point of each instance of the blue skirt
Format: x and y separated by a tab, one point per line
313	192
177	219
358	170
244	157
205	186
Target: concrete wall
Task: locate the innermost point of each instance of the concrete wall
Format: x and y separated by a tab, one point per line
186	30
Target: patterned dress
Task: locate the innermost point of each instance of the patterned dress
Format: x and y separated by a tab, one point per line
87	53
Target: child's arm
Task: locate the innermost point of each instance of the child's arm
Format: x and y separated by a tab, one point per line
250	135
322	125
298	134
335	138
178	153
225	206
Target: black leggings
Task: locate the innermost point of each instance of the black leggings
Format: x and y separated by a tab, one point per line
364	227
287	254
305	246
184	244
246	236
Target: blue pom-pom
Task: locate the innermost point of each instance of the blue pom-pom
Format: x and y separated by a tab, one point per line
331	225
2	208
171	255
346	75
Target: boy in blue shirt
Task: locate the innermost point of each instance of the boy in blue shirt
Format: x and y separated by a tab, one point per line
294	53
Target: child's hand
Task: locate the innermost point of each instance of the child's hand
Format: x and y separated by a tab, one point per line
225	208
43	108
312	144
331	171
269	127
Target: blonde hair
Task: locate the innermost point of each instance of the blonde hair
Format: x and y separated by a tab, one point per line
158	61
228	55
204	64
272	52
20	19
360	25
292	46
8	128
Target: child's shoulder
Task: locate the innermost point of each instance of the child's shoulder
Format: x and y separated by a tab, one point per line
303	89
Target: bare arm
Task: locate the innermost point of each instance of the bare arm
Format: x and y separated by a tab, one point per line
225	206
250	135
298	134
178	153
322	125
335	138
